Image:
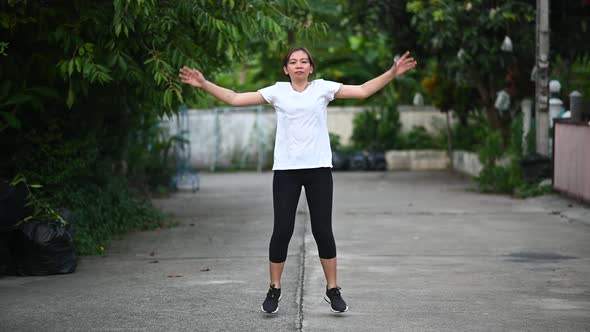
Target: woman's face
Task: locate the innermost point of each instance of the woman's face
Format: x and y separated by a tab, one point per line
298	66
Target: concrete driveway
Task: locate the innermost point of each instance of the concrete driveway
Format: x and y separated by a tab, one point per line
417	251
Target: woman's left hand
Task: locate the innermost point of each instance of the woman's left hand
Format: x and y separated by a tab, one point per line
403	64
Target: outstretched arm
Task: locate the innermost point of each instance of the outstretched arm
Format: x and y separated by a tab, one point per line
399	67
195	78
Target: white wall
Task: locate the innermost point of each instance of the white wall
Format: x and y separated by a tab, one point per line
340	119
228	138
428	117
240	136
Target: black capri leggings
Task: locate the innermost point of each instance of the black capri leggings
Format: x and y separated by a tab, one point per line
286	189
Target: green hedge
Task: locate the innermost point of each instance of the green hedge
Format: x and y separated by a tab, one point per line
103	210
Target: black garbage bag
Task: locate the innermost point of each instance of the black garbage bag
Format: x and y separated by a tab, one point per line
376	161
340	161
43	247
358	161
536	167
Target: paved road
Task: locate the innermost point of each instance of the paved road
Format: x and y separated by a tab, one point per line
417	252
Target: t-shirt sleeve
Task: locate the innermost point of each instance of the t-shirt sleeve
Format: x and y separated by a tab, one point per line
330	89
269	93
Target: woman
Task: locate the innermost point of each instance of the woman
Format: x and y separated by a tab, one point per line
302	156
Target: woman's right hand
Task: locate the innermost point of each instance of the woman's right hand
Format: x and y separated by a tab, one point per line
192	77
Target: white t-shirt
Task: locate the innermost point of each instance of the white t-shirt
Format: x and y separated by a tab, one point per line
302	139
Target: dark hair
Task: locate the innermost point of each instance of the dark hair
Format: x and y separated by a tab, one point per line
293	50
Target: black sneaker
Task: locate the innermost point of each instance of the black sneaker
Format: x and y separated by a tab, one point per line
271	303
334	297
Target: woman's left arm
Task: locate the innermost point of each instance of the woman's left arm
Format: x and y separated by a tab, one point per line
399	67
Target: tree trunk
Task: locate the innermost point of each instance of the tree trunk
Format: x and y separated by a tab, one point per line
492	116
488	105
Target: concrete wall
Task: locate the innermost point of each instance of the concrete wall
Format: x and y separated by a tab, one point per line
230	137
464	162
340	119
416	160
428	117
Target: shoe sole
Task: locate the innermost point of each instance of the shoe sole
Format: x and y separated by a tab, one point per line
327	299
273	312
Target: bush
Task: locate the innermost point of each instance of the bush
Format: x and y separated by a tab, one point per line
376	129
335	142
466	135
419	139
150	161
573	74
104	208
48	150
508	178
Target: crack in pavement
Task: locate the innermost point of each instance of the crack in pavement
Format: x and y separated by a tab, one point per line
301	284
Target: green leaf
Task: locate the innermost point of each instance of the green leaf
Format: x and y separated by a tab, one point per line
70	67
78	67
71	97
18	99
438	15
87	70
4	20
122	63
103	74
112	60
355	42
11	120
19	178
63	68
89	47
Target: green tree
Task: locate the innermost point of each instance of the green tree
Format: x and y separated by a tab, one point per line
569	29
388	17
97	68
465	38
83	82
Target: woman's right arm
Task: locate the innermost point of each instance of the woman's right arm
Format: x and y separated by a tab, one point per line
195	78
